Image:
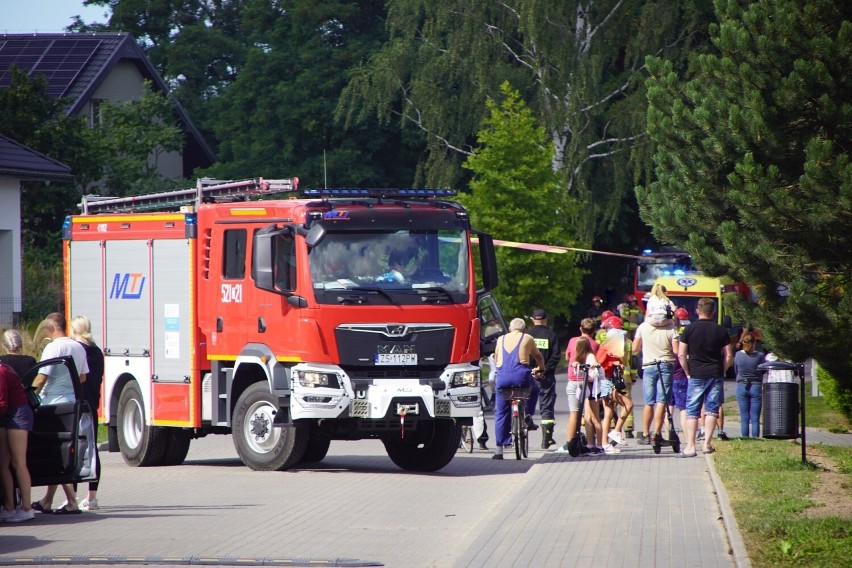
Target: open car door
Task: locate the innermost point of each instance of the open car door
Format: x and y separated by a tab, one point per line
492	324
62	444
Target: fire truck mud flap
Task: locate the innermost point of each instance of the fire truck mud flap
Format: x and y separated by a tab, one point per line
260	445
431	449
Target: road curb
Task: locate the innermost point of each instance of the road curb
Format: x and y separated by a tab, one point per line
729	522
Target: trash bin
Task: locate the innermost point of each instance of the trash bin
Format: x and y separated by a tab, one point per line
780	401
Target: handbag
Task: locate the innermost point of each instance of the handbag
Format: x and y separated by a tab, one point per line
618	379
33	399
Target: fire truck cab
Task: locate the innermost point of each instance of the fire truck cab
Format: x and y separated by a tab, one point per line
287	323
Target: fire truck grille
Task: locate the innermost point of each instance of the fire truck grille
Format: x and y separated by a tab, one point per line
392	373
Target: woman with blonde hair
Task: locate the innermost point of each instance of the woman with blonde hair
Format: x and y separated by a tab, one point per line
13	343
81	331
659	310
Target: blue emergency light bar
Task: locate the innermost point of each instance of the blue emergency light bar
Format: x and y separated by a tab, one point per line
381	193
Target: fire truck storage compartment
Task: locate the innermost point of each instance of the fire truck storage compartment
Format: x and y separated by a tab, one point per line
172	317
87	285
128	303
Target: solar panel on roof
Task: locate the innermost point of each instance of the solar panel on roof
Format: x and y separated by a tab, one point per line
60	60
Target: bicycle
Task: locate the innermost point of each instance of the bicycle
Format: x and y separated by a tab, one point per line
673	439
517	397
466	440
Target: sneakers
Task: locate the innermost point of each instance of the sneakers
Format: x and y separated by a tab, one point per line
628	433
611	450
497	457
616	438
643	440
563	449
17	516
723	435
700	435
92	504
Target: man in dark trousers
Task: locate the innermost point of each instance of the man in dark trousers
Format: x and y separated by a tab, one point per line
548	344
705	355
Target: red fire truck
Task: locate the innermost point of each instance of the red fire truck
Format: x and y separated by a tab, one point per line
287	323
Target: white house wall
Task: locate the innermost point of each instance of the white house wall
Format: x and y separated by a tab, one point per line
125	83
10	249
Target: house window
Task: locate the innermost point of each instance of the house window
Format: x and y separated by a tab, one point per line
96	112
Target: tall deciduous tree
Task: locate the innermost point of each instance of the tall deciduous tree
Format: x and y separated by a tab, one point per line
516	194
754	171
577	63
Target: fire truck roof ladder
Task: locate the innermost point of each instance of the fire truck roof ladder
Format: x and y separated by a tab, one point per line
206	190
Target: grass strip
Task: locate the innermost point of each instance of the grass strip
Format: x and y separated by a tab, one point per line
769	489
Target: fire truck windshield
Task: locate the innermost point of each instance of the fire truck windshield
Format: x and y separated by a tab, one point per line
391	266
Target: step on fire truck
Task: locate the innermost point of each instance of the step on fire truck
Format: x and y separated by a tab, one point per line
286	322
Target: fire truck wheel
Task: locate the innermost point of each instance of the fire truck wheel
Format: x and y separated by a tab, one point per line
316	450
429	451
261	446
140	445
177	446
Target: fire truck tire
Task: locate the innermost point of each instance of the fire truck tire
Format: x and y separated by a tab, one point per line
429	455
177	446
316	450
140	445
261	446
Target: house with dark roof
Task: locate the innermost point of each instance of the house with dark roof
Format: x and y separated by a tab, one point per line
88	69
17	164
84	70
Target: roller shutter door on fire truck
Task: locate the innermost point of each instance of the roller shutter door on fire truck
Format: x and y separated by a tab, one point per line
172	314
87	285
128	303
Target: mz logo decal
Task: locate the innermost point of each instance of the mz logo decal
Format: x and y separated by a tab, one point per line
127	286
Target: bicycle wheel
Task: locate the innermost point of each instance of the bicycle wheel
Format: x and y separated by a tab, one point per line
525	434
517	427
466	441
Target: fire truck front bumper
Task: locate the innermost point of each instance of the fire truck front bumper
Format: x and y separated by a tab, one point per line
455	395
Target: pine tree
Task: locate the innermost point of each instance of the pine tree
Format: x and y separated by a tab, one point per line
753	168
516	195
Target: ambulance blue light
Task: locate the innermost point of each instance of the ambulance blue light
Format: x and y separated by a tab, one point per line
647	251
191	218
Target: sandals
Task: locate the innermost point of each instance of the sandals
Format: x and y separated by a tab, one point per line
64	510
709	450
37	506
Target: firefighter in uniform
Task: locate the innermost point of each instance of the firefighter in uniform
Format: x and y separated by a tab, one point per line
548	344
631	315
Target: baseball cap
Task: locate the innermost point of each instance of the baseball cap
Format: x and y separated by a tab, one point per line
539	314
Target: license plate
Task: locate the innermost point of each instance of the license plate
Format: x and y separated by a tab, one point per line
396	358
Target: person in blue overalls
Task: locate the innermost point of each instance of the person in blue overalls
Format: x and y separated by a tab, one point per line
512	359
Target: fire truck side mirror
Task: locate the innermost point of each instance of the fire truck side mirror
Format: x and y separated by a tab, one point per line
261	261
315	235
488	260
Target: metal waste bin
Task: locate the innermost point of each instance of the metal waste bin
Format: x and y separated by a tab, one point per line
780	410
782	405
